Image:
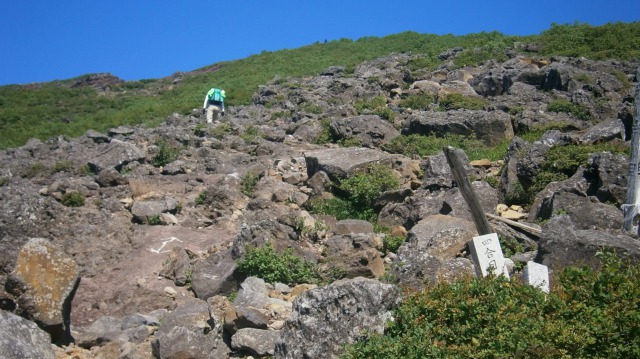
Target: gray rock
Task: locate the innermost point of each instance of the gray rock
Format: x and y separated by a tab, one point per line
253	341
116	154
144	211
350	226
562	245
20	339
215	275
321	324
370	130
177	267
189	332
353	255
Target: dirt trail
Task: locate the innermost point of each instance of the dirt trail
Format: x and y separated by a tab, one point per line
133	285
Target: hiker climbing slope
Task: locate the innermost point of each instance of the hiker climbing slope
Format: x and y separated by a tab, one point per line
214	104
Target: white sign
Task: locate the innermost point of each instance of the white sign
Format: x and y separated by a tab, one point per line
487	255
536	275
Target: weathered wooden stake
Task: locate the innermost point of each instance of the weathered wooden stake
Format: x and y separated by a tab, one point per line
630	208
454	159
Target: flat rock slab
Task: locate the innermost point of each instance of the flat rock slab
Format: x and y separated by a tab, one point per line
133	285
340	163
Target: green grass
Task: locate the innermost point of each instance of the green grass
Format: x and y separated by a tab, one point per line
56	108
588	314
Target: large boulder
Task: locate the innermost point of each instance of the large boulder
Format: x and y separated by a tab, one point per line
425	203
324	319
562	244
44	281
340	163
433	252
116	154
370	130
489	127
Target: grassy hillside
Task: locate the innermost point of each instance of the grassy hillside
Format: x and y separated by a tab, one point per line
55	108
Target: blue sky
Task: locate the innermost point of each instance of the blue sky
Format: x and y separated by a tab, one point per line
137	39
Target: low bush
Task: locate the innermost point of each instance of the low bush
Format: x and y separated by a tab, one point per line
72	199
370	105
264	262
392	243
202	196
249	182
415	145
62	166
589	314
560	105
166	154
356	195
417	101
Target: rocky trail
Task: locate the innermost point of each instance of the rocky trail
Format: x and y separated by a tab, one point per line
136	233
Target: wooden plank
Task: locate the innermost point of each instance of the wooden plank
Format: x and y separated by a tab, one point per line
535	231
454	159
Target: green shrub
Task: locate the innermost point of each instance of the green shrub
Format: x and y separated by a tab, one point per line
357	194
154	220
370	105
349	142
72	199
201	198
264	262
612	40
392	243
367	185
221	130
34	170
418	145
385	113
250	134
324	136
200	130
588	315
457	101
535	133
166	154
4	181
341	209
249	182
62	166
417	101
561	105
311	108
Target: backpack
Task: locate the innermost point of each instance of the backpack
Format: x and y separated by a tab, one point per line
215	95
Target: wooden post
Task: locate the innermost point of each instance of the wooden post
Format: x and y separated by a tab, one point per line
630	208
454	159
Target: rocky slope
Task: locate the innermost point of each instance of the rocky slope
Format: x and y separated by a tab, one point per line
145	266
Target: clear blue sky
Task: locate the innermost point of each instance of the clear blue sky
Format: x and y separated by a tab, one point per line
137	39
